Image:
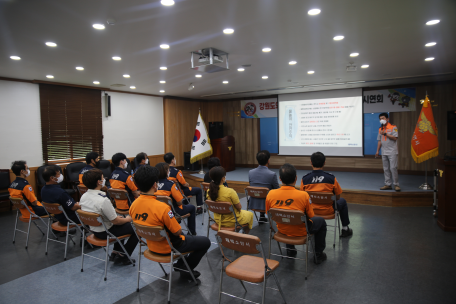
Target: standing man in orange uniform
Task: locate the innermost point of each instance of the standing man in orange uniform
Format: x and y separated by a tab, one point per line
289	198
176	175
121	179
147	210
387	140
20	188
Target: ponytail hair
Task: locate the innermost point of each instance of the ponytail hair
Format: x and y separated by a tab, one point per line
216	174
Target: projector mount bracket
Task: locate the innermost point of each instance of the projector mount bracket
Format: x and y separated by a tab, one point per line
210	60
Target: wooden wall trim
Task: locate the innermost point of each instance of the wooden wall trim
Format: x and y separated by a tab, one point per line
15	79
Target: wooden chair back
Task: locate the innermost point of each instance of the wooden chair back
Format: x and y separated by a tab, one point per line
244	243
289	217
17	202
82	189
119	194
89	218
52	208
219	207
205	187
321	198
165	199
257	192
150	233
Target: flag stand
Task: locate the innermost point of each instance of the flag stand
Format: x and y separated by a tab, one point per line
425	186
202	171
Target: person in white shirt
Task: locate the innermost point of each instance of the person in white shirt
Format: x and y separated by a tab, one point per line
95	200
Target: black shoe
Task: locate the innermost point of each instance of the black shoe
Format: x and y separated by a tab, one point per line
125	260
186	275
291	253
113	257
347	232
262	220
320	257
199	210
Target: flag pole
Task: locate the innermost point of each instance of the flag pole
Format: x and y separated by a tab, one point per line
202	171
425	186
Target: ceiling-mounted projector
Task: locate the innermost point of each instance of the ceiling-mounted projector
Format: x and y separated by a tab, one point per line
210	60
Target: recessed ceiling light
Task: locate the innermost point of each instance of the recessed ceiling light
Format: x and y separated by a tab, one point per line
96	82
126	76
225	81
266	50
51	44
430	44
292	62
49	76
228	31
164	46
163	68
198	75
354	54
310	72
162	91
167	2
162	81
98	26
132	87
15	57
241	70
429	59
364	66
80	68
432	22
314	12
116	58
265	77
338	38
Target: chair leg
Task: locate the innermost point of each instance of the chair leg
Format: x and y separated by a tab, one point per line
270	241
242	283
264	286
221	280
256	216
15	226
170	277
66	240
38	227
163	269
47	235
208	224
107	257
139	265
335	227
82	255
28	232
188	268
126	253
204	209
278	285
280	249
307	255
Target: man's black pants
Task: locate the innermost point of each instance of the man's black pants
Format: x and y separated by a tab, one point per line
119	230
199	245
191	219
317	227
343	211
196	192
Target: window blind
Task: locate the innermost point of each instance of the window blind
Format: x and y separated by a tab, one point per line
71	122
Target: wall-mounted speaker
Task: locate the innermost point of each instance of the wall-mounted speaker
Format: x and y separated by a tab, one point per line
215	129
107	102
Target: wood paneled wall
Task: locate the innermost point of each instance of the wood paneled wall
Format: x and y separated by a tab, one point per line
180	122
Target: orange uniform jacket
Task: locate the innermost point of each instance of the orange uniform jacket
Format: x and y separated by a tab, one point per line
147	210
321	181
168	188
81	173
20	188
290	198
120	179
176	175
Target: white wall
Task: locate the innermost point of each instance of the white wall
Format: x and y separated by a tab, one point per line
20	124
135	125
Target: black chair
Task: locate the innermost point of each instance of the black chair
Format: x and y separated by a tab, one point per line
105	166
4	185
40	182
72	173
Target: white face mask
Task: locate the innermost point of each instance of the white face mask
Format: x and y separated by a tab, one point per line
175	161
147	161
103	183
28	173
60	179
383	122
125	165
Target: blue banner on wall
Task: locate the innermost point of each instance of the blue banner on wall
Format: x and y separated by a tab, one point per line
269	135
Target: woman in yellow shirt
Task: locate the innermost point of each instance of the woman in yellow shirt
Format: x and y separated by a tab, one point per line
218	192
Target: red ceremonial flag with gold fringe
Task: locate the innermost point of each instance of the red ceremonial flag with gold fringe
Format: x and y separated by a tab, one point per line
425	144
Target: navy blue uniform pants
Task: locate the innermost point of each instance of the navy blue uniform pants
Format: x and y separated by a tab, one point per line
195	192
342	207
199	245
317	227
191	219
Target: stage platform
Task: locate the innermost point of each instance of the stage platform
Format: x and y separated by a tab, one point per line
358	188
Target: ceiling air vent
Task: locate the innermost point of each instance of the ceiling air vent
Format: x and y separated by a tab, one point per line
117	85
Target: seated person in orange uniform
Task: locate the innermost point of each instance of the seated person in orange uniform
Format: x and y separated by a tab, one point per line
168	188
147	210
320	181
142	160
121	179
92	161
289	198
176	175
20	188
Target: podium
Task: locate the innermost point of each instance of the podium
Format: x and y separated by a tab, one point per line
446	212
224	149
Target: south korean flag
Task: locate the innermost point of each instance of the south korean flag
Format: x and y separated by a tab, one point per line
201	146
